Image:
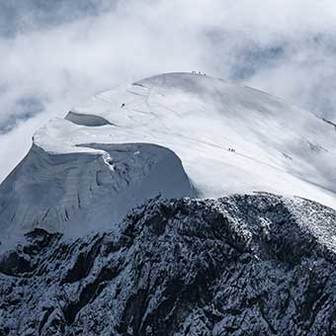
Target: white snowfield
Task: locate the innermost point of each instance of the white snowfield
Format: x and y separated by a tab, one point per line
86	171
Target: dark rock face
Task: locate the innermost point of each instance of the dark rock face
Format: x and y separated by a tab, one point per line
242	265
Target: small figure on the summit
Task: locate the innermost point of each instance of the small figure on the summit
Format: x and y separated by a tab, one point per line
122	105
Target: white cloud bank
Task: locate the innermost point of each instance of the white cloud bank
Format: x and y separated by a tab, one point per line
285	47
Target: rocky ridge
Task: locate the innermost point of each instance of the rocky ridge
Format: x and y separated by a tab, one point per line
256	264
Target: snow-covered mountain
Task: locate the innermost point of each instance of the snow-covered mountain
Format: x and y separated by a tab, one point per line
75	260
174	135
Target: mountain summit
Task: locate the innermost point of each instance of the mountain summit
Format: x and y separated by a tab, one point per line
171	135
76	260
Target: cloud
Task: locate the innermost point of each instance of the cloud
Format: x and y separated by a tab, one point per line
57	54
24	108
18	16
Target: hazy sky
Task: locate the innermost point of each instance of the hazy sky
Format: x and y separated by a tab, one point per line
55	54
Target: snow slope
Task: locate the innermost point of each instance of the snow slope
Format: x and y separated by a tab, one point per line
278	148
230	139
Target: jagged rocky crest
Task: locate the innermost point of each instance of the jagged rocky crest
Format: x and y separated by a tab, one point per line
242	265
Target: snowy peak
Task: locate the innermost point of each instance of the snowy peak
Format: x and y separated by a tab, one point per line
248	139
153	137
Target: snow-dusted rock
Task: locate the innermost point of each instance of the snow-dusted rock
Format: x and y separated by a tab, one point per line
241	265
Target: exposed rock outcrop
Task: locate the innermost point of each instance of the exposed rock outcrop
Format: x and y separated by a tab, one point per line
243	265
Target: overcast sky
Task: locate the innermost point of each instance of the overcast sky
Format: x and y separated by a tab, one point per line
55	54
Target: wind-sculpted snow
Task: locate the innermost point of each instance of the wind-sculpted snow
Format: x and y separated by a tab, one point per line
230	138
86	171
241	265
88	190
86	119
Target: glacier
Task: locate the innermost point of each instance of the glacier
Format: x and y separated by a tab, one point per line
170	136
